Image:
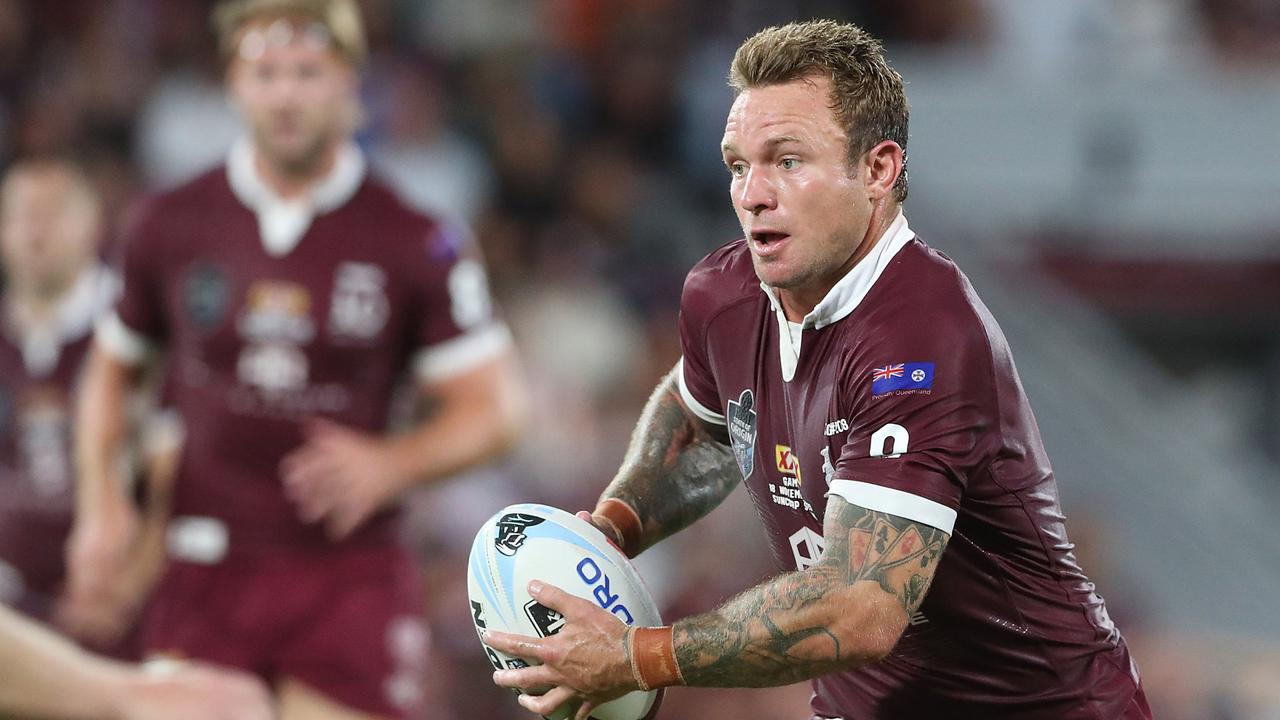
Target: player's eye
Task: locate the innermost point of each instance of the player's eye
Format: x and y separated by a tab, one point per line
789	163
737	169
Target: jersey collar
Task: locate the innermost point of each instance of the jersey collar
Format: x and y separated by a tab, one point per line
849	291
72	318
282	222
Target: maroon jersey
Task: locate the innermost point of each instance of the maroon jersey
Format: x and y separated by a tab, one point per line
38	373
898	393
275	312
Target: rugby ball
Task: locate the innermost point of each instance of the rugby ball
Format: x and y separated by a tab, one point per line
538	542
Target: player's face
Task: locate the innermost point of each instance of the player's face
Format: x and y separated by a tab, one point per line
803	209
48	229
296	93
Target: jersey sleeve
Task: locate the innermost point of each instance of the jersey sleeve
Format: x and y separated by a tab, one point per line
923	406
455	326
137	323
696	380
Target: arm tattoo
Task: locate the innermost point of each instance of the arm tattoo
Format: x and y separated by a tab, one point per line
842	613
674	471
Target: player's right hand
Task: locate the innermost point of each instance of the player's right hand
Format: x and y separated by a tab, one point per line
191	691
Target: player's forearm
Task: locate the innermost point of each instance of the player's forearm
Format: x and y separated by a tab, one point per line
101	429
794	627
674	472
479	420
43	675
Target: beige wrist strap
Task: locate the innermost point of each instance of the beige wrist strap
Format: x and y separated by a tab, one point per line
652	653
624	521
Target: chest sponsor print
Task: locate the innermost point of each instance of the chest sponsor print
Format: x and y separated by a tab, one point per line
787	491
741	417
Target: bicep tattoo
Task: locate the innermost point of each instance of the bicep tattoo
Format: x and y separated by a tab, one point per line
900	555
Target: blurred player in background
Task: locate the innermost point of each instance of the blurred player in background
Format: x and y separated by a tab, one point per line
55	290
850	374
292	293
43	675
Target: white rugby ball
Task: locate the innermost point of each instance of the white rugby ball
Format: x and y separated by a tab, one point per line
538	542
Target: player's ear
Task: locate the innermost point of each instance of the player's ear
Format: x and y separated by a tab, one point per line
883	164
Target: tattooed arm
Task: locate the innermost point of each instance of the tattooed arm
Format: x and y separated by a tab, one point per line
844	612
676	470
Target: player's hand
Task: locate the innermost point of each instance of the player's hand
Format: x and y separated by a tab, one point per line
586	661
190	691
97	555
340	477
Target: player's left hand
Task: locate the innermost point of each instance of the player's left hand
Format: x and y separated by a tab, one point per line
339	476
586	661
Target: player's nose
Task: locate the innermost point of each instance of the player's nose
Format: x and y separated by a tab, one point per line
756	193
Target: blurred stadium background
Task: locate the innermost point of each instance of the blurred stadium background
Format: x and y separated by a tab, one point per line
1107	171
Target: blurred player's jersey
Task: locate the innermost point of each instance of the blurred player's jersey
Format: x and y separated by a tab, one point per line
899	394
38	374
274	313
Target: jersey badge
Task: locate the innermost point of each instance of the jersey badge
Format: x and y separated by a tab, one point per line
359	308
741	416
206	292
913	376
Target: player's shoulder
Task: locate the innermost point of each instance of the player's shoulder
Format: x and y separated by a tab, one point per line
209	187
924	293
723	279
161	213
400	226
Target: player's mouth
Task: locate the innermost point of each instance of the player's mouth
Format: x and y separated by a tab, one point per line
765	243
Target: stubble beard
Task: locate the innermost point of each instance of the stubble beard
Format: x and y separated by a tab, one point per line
302	164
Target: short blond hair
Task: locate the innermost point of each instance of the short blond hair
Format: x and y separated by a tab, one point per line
340	18
867	95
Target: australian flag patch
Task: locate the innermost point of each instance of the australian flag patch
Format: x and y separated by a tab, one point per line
901	376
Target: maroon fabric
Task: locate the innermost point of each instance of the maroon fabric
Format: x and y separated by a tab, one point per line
258	345
1011	627
347	623
37	480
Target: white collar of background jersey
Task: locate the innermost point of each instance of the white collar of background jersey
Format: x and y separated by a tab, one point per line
282	222
72	317
848	292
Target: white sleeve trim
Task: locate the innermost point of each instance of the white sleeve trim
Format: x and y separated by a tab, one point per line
121	341
896	502
460	354
703	412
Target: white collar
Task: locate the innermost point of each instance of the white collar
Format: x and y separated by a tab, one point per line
282	222
72	318
848	292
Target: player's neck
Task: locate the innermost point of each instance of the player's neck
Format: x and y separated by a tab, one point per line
799	302
28	305
294	182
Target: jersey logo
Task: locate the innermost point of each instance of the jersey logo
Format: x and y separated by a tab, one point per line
807	547
206	294
837	426
359	307
787	462
741	416
914	376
